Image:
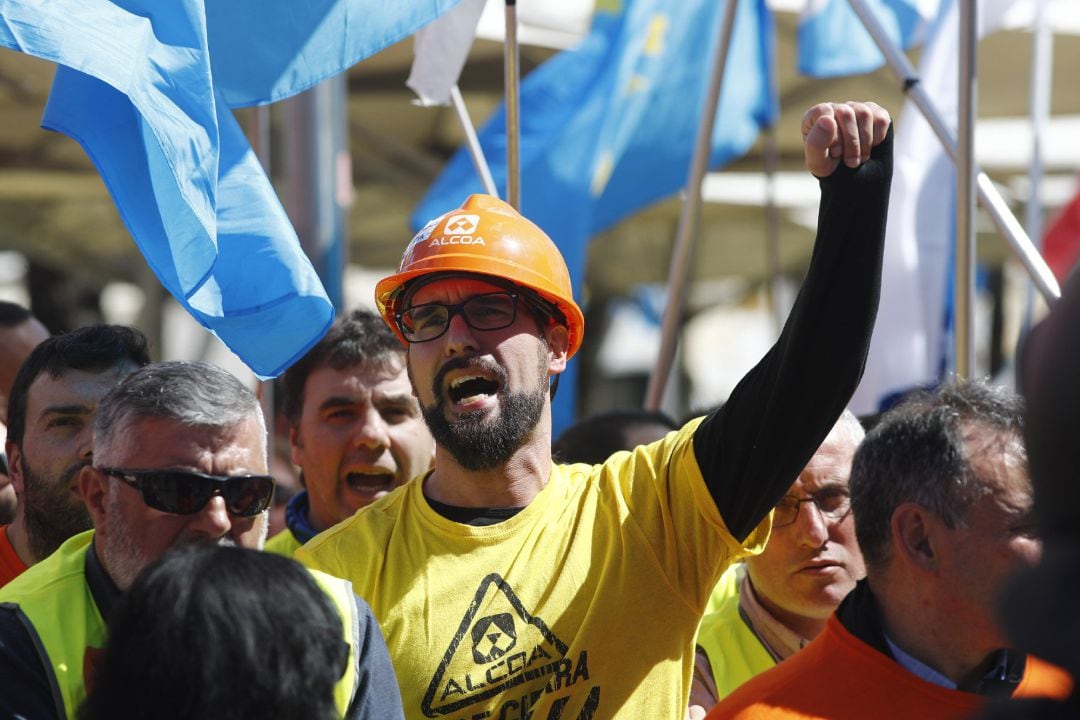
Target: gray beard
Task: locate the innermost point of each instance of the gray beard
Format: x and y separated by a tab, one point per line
52	515
123	558
120	554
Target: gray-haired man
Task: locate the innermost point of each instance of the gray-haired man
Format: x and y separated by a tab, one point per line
179	456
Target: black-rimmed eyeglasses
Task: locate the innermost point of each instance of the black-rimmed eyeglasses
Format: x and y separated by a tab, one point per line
833	503
185	492
490	311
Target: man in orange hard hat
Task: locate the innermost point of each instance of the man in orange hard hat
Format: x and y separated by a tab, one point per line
511	587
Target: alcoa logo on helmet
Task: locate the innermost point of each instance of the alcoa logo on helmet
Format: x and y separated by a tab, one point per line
424	234
459	230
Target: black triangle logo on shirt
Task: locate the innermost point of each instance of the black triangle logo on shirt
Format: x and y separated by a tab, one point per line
497	646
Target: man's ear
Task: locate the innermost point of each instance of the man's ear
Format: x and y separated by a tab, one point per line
93	488
14	461
558	342
913	529
295	445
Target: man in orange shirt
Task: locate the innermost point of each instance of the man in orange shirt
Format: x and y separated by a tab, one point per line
943	514
51	414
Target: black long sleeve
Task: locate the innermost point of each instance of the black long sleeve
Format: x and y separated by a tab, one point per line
752	448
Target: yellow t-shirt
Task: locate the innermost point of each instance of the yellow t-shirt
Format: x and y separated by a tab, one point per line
582	605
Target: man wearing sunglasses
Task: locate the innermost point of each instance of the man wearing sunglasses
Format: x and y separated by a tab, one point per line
512	587
766	609
54	398
354	426
180	456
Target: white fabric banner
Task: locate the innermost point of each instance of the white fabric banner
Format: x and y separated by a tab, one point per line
440	49
910	344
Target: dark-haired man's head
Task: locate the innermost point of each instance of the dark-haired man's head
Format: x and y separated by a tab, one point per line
355	426
943	513
20	333
593	439
50	431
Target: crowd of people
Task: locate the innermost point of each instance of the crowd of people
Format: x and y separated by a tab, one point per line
447	559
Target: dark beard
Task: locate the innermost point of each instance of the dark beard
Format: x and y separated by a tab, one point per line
52	515
474	441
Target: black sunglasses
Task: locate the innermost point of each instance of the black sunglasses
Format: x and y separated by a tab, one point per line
185	492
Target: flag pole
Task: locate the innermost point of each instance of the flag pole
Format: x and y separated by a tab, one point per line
990	199
511	72
964	285
472	142
682	253
1042	69
771	152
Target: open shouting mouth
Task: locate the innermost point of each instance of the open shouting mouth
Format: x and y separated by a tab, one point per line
374	482
470	383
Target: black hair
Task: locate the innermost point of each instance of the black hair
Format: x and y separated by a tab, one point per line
91	348
357	338
12	314
917	453
593	439
220	633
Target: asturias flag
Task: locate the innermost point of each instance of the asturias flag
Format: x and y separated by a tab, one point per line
147	87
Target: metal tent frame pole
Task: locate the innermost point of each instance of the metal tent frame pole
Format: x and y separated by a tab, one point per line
512	79
682	254
989	198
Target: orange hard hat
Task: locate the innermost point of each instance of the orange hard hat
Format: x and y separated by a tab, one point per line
485	236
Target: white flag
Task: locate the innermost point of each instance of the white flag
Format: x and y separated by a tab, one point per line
440	49
910	344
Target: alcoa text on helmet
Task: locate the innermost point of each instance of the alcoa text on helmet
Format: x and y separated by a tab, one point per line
485	236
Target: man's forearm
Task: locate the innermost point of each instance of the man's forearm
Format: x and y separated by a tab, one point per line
752	449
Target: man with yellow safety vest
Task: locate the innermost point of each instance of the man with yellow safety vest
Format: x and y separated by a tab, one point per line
179	456
354	426
509	586
768	608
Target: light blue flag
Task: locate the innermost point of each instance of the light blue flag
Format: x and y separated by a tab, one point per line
608	128
147	89
832	40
